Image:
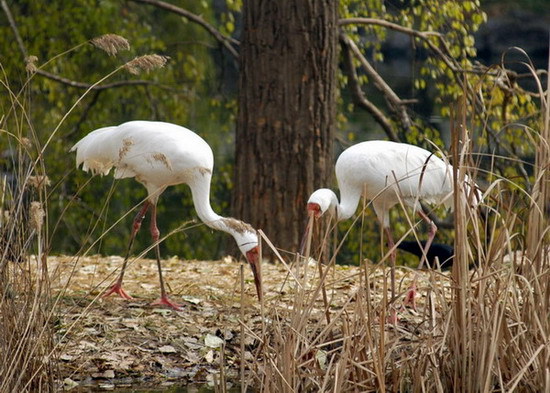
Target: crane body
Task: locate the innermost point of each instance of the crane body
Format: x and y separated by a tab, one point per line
159	155
387	173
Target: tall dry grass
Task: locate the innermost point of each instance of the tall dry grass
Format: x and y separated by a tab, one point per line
483	329
27	359
27	308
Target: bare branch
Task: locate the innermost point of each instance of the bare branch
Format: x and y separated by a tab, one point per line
227	42
82	85
86	110
13	26
423	35
397	105
57	78
358	95
440	50
443	52
389	25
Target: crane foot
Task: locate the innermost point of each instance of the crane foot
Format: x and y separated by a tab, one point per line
117	288
164	301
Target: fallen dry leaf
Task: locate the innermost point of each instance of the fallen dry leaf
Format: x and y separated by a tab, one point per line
167	349
212	341
107	374
120	341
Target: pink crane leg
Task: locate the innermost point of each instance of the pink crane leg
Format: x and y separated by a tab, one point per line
117	287
391	244
393	319
410	298
155	234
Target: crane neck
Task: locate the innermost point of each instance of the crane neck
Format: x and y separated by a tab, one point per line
328	202
348	204
245	235
200	190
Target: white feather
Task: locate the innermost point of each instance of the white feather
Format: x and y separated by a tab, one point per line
386	172
159	155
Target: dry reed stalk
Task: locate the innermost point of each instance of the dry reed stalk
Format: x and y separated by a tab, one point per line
536	270
27	350
242	323
484	328
27	362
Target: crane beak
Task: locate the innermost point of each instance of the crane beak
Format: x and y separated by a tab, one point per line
253	258
313	211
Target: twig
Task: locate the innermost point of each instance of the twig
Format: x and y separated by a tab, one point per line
358	95
13	26
83	115
389	25
227	42
83	85
393	99
57	78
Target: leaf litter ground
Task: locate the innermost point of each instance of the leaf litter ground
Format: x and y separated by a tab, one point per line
111	342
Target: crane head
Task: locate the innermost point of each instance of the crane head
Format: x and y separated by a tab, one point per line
319	203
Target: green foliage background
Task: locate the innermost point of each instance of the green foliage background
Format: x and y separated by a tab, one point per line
197	89
187	91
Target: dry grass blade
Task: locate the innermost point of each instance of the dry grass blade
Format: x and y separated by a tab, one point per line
481	329
27	358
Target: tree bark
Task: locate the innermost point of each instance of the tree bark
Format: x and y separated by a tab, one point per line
287	108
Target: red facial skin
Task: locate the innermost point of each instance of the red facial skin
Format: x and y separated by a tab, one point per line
315	209
253	258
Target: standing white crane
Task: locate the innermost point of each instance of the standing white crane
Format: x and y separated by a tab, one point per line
159	155
386	173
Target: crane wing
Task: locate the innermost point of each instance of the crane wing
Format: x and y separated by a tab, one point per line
95	151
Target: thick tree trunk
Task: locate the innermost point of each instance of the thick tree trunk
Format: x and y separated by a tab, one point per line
287	107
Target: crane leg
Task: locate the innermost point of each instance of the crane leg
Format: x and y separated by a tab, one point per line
410	298
393	313
155	234
117	287
431	235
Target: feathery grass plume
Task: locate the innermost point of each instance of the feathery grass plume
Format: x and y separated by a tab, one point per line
110	43
38	181
25	142
30	64
37	215
145	63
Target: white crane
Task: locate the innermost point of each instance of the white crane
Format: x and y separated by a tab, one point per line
386	173
159	155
